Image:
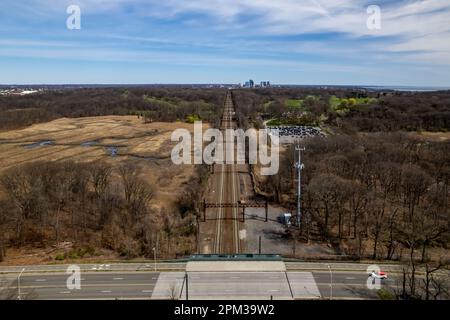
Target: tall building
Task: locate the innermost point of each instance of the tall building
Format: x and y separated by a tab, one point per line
249	84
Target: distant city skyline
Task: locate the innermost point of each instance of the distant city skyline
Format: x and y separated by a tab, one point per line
309	42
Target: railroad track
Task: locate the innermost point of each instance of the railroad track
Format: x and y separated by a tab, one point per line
226	238
219	216
234	210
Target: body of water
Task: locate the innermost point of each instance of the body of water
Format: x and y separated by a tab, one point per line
407	88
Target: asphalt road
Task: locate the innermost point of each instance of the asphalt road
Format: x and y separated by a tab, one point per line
99	285
202	285
347	285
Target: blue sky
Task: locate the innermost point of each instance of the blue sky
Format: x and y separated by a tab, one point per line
225	41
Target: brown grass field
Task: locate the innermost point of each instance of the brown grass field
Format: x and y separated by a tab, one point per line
146	145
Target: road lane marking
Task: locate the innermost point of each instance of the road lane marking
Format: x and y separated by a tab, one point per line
64	292
147	291
106	291
117	278
40	280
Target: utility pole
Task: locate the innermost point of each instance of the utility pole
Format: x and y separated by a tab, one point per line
299	166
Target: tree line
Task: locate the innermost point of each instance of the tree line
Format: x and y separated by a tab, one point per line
384	111
155	104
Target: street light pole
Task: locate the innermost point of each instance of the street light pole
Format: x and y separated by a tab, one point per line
154	256
18	284
331	283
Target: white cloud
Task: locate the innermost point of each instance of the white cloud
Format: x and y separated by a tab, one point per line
418	28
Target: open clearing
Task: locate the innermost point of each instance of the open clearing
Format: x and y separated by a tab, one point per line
94	138
87	139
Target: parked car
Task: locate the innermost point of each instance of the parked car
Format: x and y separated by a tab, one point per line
285	218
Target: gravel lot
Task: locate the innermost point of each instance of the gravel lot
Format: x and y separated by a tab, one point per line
273	239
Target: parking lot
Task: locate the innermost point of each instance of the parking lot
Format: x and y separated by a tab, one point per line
289	134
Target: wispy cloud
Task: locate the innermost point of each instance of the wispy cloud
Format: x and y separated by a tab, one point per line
288	34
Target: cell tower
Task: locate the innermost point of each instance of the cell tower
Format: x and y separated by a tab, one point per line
299	166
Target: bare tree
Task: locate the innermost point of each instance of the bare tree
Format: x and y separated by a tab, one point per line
432	282
331	192
136	191
415	183
100	177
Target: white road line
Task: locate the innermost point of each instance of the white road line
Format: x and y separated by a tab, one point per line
64	292
147	291
117	278
40	280
106	291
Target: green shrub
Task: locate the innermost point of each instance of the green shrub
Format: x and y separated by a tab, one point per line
192	118
73	254
60	256
385	294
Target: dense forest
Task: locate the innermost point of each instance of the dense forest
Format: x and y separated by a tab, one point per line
378	196
376	186
154	104
96	206
346	110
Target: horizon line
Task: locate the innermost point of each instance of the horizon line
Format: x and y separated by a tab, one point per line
224	84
